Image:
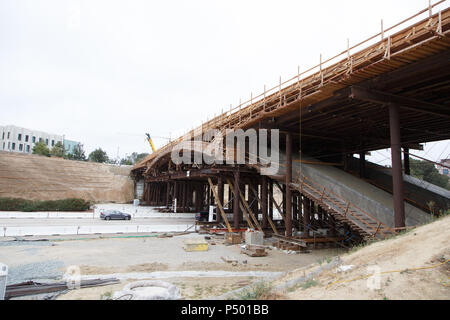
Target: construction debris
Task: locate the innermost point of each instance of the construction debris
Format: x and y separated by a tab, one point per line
195	245
254	250
229	259
32	288
233	238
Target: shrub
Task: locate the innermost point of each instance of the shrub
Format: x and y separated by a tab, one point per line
17	204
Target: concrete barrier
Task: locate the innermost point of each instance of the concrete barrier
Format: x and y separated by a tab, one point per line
72	230
38	231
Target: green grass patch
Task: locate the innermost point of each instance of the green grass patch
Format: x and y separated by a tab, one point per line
308	284
258	291
17	204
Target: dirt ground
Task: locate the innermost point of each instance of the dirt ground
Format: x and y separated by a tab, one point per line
146	255
397	260
191	288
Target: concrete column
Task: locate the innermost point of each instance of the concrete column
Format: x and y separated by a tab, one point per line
288	179
236	209
397	177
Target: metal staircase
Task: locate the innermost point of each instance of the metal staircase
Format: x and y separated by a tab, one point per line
343	211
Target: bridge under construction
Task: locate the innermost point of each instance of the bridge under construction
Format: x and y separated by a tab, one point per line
389	91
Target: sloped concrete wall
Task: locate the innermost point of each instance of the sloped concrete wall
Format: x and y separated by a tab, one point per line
375	201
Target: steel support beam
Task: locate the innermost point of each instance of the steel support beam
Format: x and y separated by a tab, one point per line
397	177
406	161
380	97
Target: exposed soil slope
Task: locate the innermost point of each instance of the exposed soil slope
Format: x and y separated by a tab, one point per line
43	178
398	260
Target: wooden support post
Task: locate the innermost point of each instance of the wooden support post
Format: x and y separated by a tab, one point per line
208	196
270	196
333	226
294	209
167	194
268	217
175	193
244	212
264	208
300	212
288	180
246	207
236	209
397	177
219	205
183	195
198	197
362	164
306	216
221	195
406	161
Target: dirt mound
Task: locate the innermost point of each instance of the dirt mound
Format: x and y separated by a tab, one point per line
411	266
42	178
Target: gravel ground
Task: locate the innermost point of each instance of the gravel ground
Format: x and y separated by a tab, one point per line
39	271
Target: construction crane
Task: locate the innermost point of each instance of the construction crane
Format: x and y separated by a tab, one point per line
150	141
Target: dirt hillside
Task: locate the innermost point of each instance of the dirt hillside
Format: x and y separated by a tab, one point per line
412	266
43	178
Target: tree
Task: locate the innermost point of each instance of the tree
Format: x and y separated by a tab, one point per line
426	171
126	161
98	155
58	150
140	157
77	153
133	158
41	149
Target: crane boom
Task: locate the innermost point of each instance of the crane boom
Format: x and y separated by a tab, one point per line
150	141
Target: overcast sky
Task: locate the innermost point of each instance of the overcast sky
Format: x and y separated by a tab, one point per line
106	72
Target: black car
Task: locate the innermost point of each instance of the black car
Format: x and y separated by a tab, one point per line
114	215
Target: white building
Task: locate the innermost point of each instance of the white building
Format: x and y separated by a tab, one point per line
17	139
